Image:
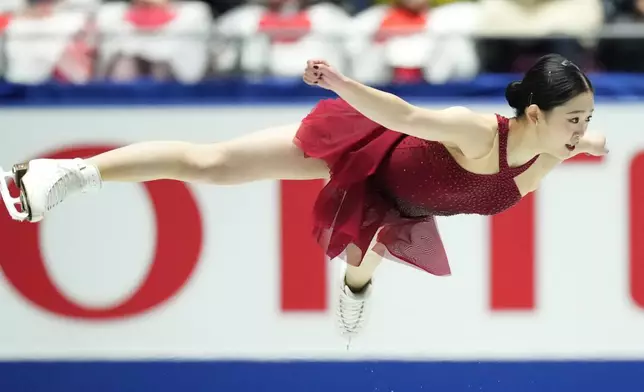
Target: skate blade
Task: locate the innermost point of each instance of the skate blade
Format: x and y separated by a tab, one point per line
12	202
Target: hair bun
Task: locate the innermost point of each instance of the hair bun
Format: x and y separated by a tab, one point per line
513	95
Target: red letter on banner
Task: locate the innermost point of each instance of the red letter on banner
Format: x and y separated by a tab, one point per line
512	257
179	242
304	268
512	254
636	219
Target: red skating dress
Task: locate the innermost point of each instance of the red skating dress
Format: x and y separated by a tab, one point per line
400	183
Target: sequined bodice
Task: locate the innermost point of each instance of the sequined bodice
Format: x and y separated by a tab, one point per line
422	178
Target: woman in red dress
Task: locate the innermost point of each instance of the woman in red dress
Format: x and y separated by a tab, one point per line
392	166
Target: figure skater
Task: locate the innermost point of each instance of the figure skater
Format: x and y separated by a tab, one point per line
392	167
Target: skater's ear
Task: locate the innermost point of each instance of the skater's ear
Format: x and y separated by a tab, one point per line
533	113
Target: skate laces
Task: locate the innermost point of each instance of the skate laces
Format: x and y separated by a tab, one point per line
67	180
351	312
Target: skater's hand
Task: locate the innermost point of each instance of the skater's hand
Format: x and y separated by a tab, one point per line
593	144
320	73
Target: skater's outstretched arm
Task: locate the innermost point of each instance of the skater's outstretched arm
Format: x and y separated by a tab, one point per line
457	126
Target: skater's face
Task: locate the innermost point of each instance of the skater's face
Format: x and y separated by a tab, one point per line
557	98
562	127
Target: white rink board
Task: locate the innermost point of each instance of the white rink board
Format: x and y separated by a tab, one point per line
98	249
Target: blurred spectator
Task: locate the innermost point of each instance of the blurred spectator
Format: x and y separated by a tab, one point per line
90	6
45	41
521	30
623	10
218	7
623	54
158	39
11	6
412	41
276	37
400	41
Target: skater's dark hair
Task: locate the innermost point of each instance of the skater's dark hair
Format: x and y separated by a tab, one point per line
551	82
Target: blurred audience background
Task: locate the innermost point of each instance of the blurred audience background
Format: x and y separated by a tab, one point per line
374	41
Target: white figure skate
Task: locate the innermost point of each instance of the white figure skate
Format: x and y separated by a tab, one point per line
44	184
352	309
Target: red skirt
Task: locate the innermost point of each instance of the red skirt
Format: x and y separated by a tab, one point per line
350	209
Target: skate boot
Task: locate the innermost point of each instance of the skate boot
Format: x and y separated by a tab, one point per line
352	309
44	184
